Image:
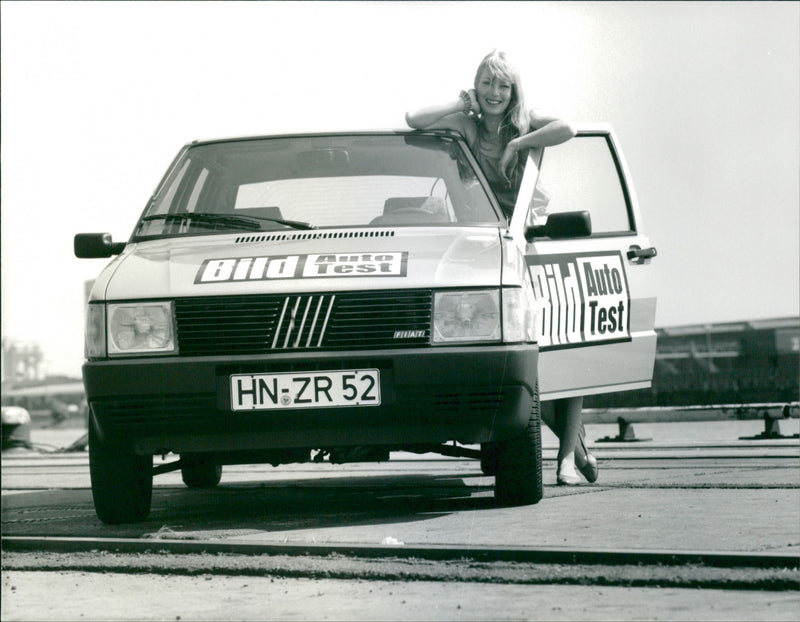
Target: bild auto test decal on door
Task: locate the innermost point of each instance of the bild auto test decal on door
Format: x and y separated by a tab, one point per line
581	299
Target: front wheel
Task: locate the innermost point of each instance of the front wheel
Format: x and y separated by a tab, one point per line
122	483
518	479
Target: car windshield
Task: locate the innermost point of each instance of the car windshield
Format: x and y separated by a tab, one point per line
311	182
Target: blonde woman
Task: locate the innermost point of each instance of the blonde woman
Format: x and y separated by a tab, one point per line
500	130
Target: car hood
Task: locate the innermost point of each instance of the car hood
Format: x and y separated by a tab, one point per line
329	260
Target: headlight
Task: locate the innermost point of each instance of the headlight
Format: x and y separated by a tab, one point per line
95	336
466	316
141	328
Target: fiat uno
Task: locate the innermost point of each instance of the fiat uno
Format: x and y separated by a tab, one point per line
337	297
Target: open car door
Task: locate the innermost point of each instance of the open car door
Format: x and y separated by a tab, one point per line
595	298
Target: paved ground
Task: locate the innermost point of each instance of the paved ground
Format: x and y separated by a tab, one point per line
713	494
57	597
694	486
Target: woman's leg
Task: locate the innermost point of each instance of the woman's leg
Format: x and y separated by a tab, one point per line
548	413
560	417
586	462
563	417
568	415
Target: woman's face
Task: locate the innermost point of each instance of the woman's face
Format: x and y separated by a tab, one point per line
494	93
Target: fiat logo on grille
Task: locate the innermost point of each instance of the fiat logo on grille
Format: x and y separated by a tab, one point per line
409	334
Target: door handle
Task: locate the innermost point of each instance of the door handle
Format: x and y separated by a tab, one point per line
639	255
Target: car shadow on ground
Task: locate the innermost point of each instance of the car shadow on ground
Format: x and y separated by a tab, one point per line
314	503
258	506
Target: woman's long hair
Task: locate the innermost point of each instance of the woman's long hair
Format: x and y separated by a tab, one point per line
515	120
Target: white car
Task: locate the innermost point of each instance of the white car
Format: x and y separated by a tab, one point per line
342	296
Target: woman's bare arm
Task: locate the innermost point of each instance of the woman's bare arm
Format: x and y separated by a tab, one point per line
547	131
449	116
436	115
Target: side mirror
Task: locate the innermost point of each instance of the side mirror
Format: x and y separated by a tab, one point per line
562	225
96	245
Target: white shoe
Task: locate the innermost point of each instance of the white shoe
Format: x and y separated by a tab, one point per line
588	469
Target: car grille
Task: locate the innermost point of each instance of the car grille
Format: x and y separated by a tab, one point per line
135	411
258	324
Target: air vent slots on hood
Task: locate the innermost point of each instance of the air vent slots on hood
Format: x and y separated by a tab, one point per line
313	235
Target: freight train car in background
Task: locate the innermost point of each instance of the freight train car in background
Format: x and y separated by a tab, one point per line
751	362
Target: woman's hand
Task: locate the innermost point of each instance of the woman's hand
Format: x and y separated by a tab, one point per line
508	160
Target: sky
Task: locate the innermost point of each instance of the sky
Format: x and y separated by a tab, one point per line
98	97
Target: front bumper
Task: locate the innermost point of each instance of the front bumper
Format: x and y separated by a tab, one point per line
429	396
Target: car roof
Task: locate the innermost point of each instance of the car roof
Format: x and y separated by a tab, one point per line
593	127
403	132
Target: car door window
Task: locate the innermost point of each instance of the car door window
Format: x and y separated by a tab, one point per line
582	174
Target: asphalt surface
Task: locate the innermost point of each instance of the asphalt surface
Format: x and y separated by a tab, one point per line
703	494
693	487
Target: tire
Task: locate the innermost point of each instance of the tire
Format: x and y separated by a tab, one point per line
518	480
122	483
488	459
198	473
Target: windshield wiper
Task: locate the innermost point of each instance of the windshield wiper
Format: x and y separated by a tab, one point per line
237	222
295	224
249	223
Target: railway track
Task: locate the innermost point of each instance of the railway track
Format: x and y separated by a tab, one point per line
513	565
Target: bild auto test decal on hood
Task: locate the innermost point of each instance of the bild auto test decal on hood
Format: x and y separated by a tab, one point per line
581	299
302	267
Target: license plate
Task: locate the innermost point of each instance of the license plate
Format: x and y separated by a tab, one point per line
319	389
